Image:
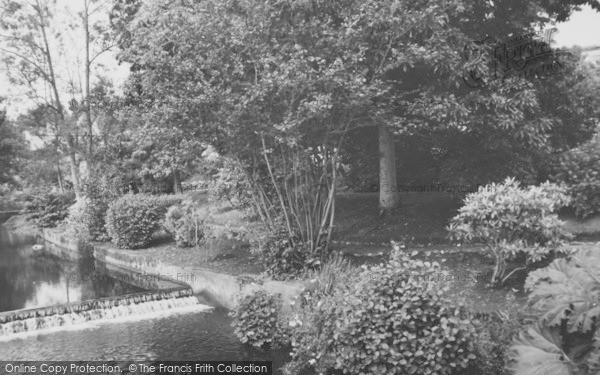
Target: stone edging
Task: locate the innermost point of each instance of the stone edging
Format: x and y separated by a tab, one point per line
216	289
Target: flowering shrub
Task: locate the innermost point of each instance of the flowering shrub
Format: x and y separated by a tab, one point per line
132	219
257	321
186	224
511	220
391	320
566	338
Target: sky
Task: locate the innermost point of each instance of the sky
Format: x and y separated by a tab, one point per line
582	29
69	64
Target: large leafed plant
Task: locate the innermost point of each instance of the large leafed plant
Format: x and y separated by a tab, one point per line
565	340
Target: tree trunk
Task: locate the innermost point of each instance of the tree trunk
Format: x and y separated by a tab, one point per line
59	177
88	107
388	190
177	189
74	166
51	79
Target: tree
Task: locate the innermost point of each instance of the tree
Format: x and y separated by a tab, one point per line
12	145
426	60
277	85
31	57
104	41
44	162
32	41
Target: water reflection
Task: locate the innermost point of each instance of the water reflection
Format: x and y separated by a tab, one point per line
30	279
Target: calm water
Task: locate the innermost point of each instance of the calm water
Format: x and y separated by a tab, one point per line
30	279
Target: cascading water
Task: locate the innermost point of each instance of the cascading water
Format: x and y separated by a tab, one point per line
69	315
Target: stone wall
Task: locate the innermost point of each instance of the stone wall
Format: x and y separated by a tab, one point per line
215	289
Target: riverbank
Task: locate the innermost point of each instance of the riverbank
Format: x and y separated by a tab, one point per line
224	269
220	272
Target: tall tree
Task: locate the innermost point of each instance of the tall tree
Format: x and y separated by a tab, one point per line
33	38
98	40
30	48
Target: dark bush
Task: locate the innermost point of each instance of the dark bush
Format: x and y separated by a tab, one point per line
48	208
132	220
495	333
87	218
392	321
579	169
257	321
283	260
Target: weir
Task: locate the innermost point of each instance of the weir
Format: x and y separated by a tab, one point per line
71	314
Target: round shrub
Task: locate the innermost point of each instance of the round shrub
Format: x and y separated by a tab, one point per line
132	219
512	220
257	321
393	321
186	224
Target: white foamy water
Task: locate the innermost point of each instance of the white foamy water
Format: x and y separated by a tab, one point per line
91	318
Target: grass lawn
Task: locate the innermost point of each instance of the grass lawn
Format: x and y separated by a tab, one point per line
219	255
365	237
420	219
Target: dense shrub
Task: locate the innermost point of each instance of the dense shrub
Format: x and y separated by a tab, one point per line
566	339
87	217
132	219
579	169
230	185
79	221
257	321
393	321
511	220
495	334
283	260
186	224
48	208
314	320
